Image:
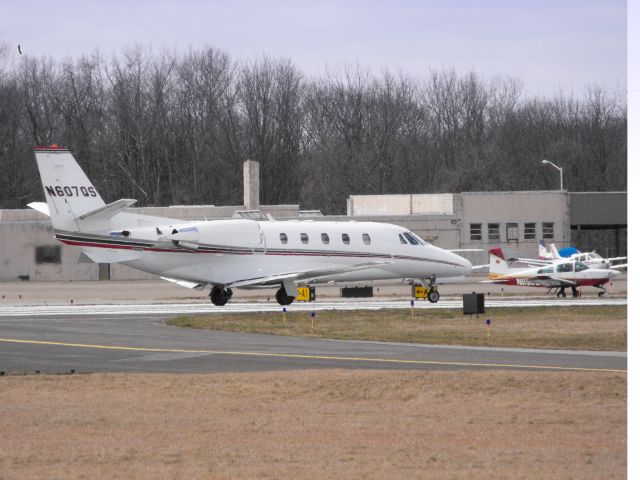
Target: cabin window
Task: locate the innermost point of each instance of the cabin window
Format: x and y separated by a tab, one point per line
366	239
565	267
325	238
547	229
529	231
494	231
283	238
345	239
475	231
402	240
546	270
304	238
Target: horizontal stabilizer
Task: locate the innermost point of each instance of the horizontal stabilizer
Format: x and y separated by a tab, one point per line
41	207
108	255
108	211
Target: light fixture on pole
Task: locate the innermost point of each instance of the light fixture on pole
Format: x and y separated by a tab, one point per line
558	168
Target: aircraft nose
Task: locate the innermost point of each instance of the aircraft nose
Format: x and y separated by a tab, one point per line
614	273
462	263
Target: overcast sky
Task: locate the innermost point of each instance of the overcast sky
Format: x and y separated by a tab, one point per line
548	44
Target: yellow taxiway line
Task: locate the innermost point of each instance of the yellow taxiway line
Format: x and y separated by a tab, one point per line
307	357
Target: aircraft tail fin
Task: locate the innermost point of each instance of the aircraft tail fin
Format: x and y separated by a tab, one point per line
543	254
68	191
554	252
497	263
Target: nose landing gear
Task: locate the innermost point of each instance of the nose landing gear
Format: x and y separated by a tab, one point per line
433	296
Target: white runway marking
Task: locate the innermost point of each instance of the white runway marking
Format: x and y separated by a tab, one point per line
201	308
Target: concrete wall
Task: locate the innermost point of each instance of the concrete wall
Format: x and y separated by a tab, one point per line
410	204
21	231
519	208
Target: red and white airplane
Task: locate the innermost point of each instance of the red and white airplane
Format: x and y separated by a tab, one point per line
590	259
558	275
235	253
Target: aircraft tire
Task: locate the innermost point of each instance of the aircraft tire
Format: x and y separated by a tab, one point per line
282	297
433	296
219	297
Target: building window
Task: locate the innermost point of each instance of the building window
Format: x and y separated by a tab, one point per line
529	231
345	239
283	238
547	229
366	239
475	231
325	238
304	238
494	231
513	234
48	254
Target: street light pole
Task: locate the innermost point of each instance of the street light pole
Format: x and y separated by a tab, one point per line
557	168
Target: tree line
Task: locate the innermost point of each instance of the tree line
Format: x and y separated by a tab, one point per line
174	128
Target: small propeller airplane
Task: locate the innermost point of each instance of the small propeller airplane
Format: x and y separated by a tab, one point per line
234	253
565	273
590	259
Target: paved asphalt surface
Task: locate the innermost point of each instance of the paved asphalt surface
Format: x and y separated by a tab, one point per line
127	339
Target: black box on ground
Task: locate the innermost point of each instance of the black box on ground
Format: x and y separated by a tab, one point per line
356	292
473	303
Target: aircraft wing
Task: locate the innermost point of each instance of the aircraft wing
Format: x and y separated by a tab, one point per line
622	266
184	283
479	267
540	280
547	281
304	276
534	262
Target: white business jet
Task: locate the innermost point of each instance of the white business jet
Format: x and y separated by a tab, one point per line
234	253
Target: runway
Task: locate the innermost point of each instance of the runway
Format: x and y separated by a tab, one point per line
134	338
247	307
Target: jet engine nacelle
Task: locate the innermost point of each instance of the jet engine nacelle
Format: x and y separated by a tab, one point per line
237	233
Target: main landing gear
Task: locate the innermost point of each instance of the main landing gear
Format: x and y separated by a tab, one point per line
220	296
282	297
603	291
574	292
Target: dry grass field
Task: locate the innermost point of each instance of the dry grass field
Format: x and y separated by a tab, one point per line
315	424
588	328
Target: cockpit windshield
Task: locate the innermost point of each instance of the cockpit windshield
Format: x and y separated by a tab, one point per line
581	266
413	239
